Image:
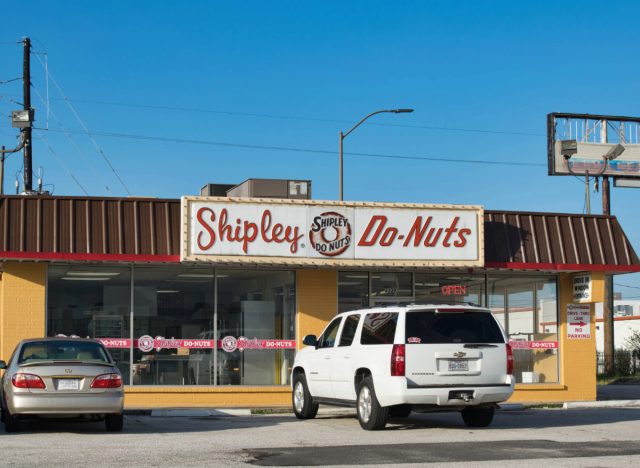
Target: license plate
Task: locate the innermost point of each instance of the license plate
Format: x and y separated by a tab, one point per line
462	365
69	384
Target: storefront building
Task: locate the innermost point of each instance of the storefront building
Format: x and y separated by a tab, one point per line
203	301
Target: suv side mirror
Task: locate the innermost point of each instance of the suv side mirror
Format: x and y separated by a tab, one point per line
310	340
3	365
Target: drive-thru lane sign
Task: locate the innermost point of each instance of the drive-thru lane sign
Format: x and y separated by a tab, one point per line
578	321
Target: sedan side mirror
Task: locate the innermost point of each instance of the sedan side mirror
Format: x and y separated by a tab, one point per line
3	365
310	340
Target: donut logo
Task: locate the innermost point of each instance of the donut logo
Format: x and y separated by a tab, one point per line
229	344
145	343
330	234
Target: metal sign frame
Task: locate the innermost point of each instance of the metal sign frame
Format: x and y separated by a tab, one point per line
589	145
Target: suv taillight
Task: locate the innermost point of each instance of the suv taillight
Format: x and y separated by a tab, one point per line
397	360
107	381
27	381
509	359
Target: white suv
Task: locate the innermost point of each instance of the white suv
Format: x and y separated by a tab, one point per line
388	361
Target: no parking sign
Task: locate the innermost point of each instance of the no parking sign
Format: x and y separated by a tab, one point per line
578	321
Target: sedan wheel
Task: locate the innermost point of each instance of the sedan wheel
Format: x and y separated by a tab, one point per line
11	422
114	422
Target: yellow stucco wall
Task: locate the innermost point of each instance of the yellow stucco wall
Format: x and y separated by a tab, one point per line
22	304
194	397
577	357
317	296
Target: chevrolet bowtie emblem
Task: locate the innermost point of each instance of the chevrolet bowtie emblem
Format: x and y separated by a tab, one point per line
459	354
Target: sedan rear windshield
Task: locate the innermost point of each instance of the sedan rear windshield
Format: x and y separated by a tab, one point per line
455	326
62	350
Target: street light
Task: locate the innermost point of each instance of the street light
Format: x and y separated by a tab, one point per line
344	135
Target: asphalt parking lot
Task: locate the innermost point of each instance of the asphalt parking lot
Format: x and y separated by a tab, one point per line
555	437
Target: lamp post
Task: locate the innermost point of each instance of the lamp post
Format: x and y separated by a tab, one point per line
344	135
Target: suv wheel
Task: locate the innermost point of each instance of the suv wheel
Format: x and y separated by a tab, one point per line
303	405
11	422
475	416
371	415
114	422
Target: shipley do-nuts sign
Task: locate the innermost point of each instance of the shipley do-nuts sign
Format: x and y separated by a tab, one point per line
338	233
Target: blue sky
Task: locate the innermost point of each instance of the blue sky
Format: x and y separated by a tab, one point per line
293	74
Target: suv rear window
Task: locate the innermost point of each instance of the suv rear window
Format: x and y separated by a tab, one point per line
379	328
455	326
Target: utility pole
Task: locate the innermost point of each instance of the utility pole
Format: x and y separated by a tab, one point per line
26	91
607	306
2	158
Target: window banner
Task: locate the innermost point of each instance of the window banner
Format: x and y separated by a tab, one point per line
523	344
229	344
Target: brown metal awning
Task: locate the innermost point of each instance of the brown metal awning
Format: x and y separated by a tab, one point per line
143	230
552	241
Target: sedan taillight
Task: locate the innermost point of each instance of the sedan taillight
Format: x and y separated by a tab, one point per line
509	359
27	381
107	381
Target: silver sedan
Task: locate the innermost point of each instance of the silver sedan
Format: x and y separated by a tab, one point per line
51	377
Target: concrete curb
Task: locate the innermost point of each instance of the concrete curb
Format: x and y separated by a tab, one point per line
199	412
511	407
601	404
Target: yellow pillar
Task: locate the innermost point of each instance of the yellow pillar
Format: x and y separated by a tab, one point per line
317	296
577	356
22	304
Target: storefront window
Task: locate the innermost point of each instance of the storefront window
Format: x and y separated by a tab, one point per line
447	288
527	309
92	302
177	336
255	308
391	287
172	305
353	290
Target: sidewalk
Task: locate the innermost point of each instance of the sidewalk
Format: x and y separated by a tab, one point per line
612	395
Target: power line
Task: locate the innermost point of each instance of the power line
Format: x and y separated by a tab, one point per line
73	110
64	166
68	136
627	286
300	118
297	149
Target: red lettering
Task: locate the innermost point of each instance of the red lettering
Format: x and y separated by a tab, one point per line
388	236
462	239
265	224
250	234
417	230
379	220
293	236
206	227
450	230
429	242
223	228
276	233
